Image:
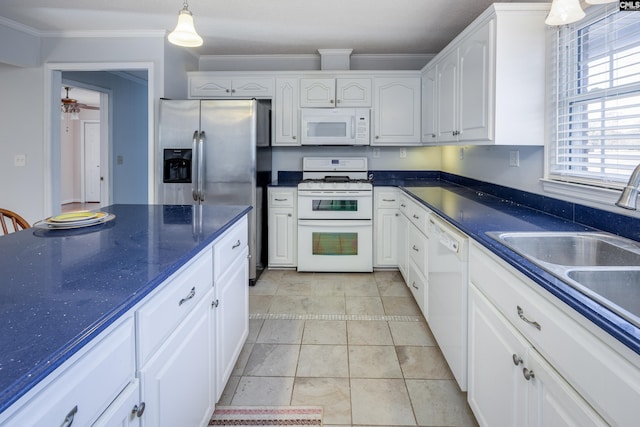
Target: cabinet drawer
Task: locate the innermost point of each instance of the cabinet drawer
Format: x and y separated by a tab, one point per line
163	312
418	247
282	199
418	285
229	247
604	377
387	199
84	389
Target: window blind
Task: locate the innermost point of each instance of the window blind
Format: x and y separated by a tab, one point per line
596	99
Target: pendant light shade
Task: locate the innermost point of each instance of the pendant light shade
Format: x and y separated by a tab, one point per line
185	33
564	12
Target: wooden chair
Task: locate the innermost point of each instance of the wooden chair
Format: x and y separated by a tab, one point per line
11	221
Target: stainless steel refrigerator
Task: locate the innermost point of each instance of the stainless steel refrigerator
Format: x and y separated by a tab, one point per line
218	152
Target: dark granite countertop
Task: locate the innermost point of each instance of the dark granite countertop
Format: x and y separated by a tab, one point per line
475	213
61	288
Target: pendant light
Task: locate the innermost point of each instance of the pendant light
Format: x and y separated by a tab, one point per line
564	12
185	33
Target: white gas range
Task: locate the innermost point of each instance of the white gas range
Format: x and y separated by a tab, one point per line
335	215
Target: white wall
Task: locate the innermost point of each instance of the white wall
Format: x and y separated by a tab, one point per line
491	164
21	188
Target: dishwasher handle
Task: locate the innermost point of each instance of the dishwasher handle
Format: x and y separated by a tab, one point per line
450	243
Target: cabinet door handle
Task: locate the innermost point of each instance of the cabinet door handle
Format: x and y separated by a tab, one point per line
68	420
215	303
403	205
236	244
188	297
289	215
516	359
293	137
415	249
416	216
280	200
530	322
138	410
527	374
388	200
414	285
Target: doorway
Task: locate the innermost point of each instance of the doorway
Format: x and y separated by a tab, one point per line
81	145
127	164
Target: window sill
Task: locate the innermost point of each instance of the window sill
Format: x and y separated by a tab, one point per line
599	198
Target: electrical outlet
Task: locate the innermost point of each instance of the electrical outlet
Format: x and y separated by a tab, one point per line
376	153
20	160
514	158
403	153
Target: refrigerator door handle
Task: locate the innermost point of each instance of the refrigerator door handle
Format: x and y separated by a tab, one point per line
202	166
195	175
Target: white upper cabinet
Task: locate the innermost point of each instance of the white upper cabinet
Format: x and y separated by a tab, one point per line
396	110
209	85
490	80
335	92
429	106
286	112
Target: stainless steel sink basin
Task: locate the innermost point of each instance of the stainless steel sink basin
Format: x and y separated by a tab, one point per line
603	266
573	249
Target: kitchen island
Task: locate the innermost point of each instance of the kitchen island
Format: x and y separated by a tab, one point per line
62	288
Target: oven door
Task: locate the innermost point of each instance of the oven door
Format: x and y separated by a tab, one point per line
335	245
335	205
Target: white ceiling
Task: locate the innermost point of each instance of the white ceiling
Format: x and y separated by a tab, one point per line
266	26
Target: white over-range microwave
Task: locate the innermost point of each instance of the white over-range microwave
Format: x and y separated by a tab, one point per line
335	126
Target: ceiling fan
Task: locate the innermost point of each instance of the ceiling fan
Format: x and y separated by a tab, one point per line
72	106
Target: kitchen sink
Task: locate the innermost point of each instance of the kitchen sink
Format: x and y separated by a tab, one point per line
573	248
603	266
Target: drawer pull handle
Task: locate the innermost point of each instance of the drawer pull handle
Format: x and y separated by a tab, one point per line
531	322
516	359
416	216
215	303
415	249
236	245
280	200
138	410
403	205
414	285
188	297
388	200
68	420
527	374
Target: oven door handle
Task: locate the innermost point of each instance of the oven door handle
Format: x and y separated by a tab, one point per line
334	222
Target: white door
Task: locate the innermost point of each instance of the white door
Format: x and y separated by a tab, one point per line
92	175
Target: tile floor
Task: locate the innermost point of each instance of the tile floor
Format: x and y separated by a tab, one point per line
355	344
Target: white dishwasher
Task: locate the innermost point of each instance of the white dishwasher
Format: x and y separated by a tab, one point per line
448	289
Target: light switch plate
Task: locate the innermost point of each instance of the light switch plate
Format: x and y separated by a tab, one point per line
20	160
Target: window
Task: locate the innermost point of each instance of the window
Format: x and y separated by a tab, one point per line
596	99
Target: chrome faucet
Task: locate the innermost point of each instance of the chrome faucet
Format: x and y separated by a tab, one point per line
628	198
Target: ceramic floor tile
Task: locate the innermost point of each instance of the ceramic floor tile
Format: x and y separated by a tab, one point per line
333	394
273	360
263	391
373	362
423	363
364	305
243	358
380	402
400	306
358	288
327	305
439	403
393	289
366	332
308	304
328	287
323	361
325	332
264	287
412	333
229	391
295	288
259	303
254	329
281	332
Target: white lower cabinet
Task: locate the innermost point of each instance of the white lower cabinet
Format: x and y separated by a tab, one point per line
176	382
578	375
231	307
125	411
283	227
510	384
86	386
385	227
